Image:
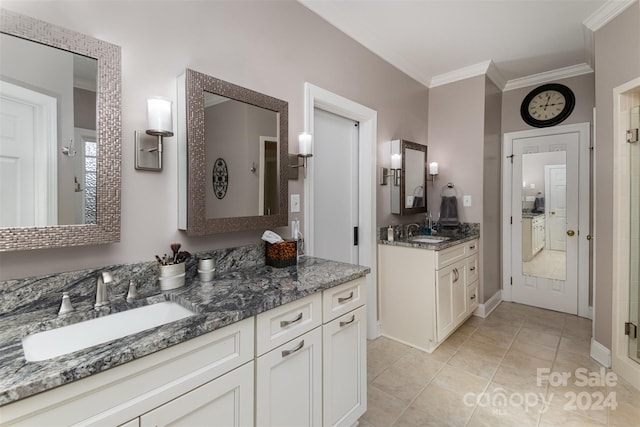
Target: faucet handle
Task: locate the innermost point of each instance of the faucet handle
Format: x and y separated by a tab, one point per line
65	306
107	277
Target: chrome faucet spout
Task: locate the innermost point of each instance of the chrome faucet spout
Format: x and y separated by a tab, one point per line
410	233
102	297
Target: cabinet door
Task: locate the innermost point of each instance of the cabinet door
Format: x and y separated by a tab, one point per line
225	401
451	298
289	383
345	369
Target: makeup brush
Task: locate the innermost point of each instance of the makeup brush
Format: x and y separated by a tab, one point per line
175	247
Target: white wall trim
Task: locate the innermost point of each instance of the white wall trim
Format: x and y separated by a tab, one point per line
316	97
484	310
460	74
606	13
600	353
548	76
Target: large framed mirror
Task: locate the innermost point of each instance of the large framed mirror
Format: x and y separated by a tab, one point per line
60	136
233	156
409	193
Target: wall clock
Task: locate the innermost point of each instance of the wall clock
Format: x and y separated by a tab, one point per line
547	105
220	178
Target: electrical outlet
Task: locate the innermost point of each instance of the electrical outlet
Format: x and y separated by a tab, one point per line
295	203
466	200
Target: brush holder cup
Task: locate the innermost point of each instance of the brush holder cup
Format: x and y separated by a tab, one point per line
171	276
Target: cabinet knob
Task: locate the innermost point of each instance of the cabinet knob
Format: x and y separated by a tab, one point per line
570	233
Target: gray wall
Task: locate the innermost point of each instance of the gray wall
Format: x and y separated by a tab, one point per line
617	48
271	47
491	183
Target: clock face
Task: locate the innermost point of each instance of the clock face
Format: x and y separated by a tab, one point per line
547	105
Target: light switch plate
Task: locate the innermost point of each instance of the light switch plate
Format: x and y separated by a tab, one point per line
295	203
466	200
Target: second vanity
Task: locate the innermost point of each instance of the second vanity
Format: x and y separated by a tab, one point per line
427	289
265	347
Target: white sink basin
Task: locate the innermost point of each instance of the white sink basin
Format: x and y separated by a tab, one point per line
67	339
428	239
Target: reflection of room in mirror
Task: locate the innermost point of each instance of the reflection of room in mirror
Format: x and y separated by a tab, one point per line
238	132
544	215
54	161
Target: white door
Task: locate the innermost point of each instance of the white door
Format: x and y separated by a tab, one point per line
28	157
551	278
556	207
335	181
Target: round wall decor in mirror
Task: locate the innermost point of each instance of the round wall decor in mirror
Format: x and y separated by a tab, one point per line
220	178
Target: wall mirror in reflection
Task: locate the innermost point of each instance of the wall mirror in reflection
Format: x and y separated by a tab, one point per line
48	145
241	158
544	215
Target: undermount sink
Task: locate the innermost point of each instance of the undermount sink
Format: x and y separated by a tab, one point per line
428	239
67	339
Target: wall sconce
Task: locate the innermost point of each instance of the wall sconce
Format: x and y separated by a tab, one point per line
305	148
396	171
433	171
159	125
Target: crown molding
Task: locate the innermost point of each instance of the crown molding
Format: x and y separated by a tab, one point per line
606	13
495	76
460	74
548	76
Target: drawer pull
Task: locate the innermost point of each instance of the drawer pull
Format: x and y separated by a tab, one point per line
456	275
343	300
346	322
472	247
472	269
473	297
286	353
285	323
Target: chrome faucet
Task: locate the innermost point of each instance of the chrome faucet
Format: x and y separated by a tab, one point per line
409	227
102	298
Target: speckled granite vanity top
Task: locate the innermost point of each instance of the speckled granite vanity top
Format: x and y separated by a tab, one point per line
234	295
464	234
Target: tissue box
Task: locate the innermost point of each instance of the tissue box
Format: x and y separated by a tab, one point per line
283	254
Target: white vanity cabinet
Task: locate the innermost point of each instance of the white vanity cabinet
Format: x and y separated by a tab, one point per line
533	236
426	294
344	358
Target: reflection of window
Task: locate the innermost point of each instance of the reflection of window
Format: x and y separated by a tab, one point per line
90	179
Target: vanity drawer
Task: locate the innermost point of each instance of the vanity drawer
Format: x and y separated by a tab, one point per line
472	297
472	269
472	247
343	298
450	255
276	327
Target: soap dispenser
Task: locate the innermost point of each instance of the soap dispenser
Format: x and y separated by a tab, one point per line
390	233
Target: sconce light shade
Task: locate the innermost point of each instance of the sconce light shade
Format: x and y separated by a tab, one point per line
305	144
396	161
159	117
433	168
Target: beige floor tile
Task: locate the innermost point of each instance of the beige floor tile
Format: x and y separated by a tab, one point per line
413	417
532	349
382	408
577	327
533	336
443	407
625	392
556	415
625	415
547	328
526	363
408	376
585	401
515	379
449	347
474	321
459	381
467	329
508	416
574	344
501	336
482	365
381	354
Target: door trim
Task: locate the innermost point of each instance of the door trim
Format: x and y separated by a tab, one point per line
584	129
316	97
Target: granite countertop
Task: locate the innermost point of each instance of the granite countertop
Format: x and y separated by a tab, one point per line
454	238
231	297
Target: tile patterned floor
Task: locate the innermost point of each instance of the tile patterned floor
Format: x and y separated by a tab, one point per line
486	374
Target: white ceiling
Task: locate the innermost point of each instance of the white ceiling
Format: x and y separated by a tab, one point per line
438	41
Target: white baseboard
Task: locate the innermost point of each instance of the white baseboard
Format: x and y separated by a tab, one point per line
600	353
485	309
